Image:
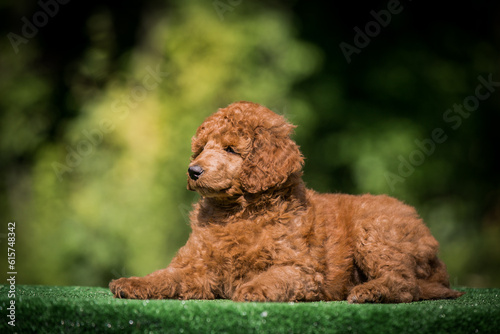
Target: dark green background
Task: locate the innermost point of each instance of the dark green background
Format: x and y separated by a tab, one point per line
114	90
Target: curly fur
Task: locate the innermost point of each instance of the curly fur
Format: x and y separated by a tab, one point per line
259	235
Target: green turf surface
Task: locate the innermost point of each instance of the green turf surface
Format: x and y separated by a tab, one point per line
46	309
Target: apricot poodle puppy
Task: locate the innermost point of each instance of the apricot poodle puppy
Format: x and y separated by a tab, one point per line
258	234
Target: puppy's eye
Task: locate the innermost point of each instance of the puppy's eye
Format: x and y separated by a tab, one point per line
229	149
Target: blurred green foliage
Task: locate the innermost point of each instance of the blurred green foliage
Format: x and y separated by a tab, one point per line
96	123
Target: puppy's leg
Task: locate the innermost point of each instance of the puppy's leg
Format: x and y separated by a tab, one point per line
390	274
187	277
390	270
158	285
169	283
387	289
281	284
394	250
437	285
403	285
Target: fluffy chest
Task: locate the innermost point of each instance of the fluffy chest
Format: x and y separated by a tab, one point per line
254	246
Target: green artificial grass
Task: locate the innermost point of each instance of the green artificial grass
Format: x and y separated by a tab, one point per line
51	309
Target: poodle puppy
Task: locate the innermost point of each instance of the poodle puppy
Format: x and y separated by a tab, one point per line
258	234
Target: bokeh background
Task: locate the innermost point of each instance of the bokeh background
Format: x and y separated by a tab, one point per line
99	100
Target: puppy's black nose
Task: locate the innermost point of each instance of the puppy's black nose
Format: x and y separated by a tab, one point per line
195	172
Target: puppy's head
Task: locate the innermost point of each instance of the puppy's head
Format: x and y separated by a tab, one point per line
244	148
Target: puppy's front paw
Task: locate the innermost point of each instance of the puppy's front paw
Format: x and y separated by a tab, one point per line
366	293
249	294
256	293
131	287
371	292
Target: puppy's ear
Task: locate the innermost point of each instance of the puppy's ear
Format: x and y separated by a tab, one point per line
273	159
